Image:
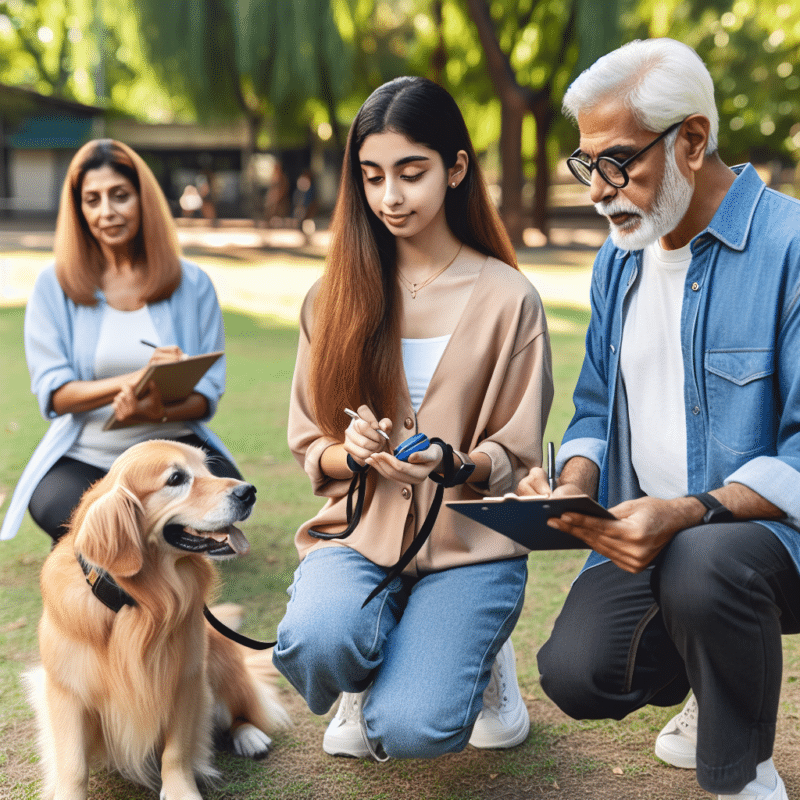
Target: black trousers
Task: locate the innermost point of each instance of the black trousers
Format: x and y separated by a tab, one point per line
62	487
707	616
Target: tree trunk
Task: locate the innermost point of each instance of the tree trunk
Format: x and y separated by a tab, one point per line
544	115
511	117
514	101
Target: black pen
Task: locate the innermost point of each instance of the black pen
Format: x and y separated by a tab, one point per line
149	344
551	466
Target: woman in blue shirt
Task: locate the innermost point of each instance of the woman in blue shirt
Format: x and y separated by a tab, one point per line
118	299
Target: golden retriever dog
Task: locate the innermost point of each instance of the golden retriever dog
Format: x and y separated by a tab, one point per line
139	689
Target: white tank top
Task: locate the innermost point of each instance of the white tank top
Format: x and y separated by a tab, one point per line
119	350
420	359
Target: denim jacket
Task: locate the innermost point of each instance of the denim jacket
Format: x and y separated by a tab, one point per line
740	336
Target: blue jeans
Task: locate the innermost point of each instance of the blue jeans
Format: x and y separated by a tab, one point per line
425	645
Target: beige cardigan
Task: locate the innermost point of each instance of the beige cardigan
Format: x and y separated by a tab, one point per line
491	392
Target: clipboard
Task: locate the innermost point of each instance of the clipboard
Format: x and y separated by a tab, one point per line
175	381
524	519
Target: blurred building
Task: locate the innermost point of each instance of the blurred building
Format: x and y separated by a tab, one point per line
38	137
40	134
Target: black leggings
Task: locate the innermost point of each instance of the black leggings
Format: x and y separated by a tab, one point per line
707	616
60	490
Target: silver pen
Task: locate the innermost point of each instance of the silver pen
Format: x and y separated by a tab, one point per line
551	466
355	416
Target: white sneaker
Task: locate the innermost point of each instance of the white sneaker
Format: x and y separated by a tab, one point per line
677	742
767	785
503	720
343	736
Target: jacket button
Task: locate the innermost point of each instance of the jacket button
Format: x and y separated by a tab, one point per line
406	493
696	410
695	287
408	423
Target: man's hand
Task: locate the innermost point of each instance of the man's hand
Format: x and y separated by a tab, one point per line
641	531
535	484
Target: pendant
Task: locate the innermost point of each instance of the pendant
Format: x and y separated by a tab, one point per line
413	291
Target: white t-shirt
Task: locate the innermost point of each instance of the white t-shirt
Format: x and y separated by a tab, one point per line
119	350
420	359
651	361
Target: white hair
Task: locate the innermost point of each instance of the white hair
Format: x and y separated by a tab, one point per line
661	81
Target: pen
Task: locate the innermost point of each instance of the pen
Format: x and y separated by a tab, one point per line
551	466
355	416
149	344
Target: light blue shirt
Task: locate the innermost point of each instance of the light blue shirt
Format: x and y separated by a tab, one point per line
60	343
740	337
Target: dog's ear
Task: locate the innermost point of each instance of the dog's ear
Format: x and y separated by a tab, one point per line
110	532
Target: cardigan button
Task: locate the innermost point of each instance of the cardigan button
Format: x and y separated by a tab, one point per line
408	423
406	493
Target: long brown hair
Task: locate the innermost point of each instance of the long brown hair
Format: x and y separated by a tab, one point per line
79	262
355	347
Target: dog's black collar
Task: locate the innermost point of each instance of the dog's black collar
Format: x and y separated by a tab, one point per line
104	587
111	594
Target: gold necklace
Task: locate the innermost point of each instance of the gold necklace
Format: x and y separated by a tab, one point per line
417	287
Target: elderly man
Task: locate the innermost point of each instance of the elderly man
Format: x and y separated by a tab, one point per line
687	426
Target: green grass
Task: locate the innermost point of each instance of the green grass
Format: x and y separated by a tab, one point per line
252	421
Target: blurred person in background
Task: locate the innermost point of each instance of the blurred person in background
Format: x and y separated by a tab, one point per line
118	281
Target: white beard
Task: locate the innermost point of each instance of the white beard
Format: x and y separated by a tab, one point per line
670	206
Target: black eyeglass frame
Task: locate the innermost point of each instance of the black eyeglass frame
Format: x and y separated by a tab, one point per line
617	165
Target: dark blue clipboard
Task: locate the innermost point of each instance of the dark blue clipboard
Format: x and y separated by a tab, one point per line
524	519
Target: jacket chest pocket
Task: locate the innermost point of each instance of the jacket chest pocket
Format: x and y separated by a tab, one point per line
741	400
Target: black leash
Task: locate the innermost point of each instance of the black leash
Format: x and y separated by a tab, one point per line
359	484
444	481
233	635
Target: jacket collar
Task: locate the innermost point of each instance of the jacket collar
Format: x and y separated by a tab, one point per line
732	222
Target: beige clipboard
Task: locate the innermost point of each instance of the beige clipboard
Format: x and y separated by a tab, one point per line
524	519
175	380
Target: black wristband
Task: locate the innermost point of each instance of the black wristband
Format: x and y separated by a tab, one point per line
716	511
354	466
452	476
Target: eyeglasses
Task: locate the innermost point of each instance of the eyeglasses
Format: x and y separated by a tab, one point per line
611	171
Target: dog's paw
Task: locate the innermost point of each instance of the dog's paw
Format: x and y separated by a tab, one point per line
251	742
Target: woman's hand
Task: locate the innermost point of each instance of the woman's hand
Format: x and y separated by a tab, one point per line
166	355
147	408
413	471
361	439
161	355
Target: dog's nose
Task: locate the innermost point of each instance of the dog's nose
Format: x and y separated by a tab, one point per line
246	493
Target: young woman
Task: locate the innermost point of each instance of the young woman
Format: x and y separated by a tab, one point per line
117	279
422	323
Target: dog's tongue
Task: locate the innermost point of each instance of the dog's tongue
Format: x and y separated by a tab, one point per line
238	541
